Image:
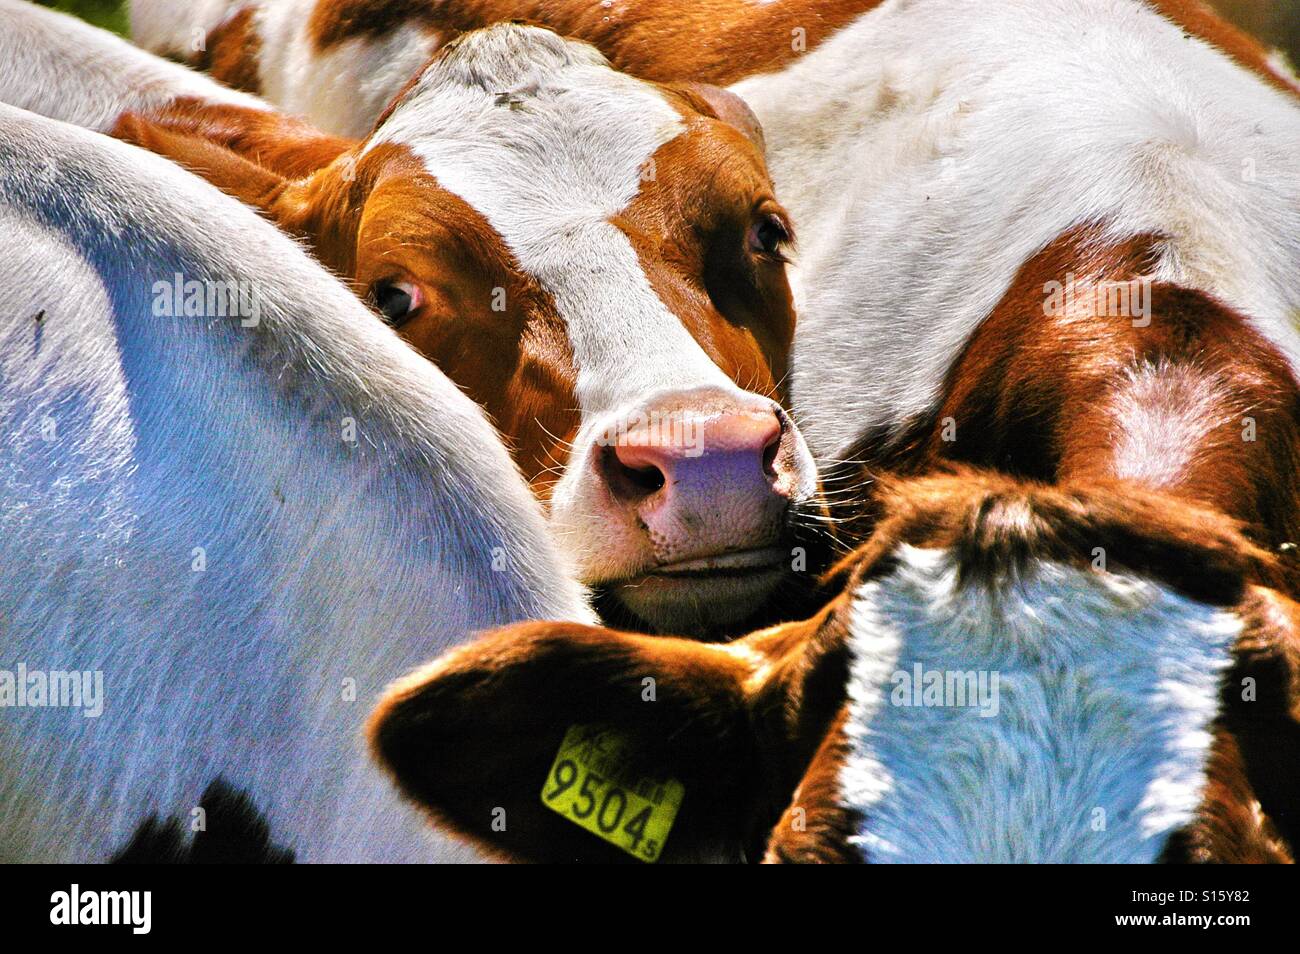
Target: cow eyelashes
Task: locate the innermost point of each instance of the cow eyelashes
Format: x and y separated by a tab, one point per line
396	301
768	236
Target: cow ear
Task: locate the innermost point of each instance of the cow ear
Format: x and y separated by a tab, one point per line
230	172
473	739
726	106
319	207
1263	688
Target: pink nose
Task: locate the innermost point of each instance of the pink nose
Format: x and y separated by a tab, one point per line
739	449
707	482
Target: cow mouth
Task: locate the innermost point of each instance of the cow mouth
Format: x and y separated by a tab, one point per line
709	597
735	564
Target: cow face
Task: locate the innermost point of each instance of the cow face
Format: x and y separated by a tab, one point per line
599	262
1104	722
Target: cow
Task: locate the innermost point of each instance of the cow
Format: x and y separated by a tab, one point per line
982	691
597	260
1056	237
236	505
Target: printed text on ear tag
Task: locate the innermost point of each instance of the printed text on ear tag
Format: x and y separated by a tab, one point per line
589	784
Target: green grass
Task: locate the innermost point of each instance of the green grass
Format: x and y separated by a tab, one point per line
110	14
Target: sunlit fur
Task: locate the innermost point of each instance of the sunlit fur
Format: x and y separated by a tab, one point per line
549	178
111	76
1097	750
922	175
133	438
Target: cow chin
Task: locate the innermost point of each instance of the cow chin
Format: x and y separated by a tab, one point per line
717	587
708	604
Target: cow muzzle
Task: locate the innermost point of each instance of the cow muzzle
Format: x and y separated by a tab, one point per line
687	503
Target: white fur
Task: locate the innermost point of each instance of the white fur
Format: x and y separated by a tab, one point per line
58	66
548	175
550	168
1097	753
341	90
344	89
1164	415
927	152
172	28
326	561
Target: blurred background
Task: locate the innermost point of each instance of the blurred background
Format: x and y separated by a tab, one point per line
1276	22
110	14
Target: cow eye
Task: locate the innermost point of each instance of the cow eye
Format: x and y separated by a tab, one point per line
396	301
768	236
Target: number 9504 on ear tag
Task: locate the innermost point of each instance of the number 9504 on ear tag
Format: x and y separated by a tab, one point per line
589	784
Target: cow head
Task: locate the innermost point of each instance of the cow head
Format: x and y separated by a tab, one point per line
599	262
1117	726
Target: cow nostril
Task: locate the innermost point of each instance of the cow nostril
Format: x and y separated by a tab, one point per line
631	479
647	479
769	454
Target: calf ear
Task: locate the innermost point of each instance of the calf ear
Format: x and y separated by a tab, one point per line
247	181
472	737
317	208
726	106
282	144
1261	704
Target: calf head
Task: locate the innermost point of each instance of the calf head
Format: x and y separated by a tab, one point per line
599	262
1125	692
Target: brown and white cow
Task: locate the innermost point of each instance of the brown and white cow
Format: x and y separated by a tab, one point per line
1055	237
597	260
984	690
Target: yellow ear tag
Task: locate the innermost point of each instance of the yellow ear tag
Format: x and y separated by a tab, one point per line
589	784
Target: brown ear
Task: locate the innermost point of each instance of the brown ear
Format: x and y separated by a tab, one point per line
273	162
282	144
319	208
247	181
726	106
1261	705
472	737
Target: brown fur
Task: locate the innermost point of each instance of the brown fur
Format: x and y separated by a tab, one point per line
1198	19
480	730
1231	827
233	51
714	41
287	147
703	281
816	827
1034	395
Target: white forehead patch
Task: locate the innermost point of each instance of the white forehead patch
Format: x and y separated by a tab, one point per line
1064	718
548	143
